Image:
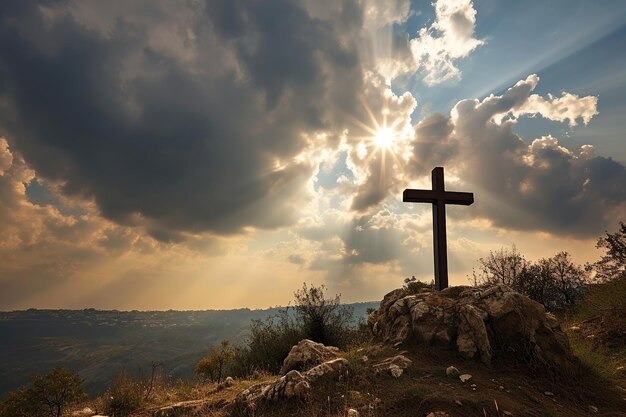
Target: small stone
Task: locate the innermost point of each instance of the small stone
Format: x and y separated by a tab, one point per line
465	377
395	371
451	371
507	413
84	412
593	409
501	388
473	385
548	394
364	359
438	414
457	402
352	412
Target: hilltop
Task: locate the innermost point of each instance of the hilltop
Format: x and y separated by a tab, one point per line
407	379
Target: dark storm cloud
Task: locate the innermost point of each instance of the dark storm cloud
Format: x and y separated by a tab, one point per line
175	141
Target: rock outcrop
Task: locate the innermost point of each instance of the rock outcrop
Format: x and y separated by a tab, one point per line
294	384
306	354
477	322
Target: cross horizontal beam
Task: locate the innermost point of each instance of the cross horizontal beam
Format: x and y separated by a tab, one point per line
431	196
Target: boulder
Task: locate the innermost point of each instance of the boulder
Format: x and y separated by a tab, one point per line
477	322
294	384
306	354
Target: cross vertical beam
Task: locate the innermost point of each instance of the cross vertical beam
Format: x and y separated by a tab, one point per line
439	197
440	244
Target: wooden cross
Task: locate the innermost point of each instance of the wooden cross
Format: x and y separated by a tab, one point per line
439	197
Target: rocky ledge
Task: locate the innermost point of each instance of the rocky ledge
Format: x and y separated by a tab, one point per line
479	323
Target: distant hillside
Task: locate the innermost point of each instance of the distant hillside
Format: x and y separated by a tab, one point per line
97	343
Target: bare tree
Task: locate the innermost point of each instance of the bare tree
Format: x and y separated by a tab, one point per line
153	375
502	266
569	278
612	264
555	282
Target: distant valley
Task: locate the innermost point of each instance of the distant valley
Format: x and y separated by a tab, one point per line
98	343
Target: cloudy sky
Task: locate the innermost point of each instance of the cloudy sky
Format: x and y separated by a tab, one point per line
198	154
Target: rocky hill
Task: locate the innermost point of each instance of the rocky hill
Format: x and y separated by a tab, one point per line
457	353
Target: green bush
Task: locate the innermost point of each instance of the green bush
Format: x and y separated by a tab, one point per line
48	395
213	366
313	316
413	286
124	396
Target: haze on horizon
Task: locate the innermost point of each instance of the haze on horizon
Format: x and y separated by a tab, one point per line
217	154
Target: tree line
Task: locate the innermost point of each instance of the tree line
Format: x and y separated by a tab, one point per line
555	282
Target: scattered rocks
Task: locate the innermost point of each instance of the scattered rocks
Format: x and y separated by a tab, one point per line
468	319
307	353
465	377
395	366
452	372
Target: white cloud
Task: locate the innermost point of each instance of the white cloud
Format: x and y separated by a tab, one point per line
448	39
569	107
380	13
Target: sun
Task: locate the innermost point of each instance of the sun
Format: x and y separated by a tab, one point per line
384	137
